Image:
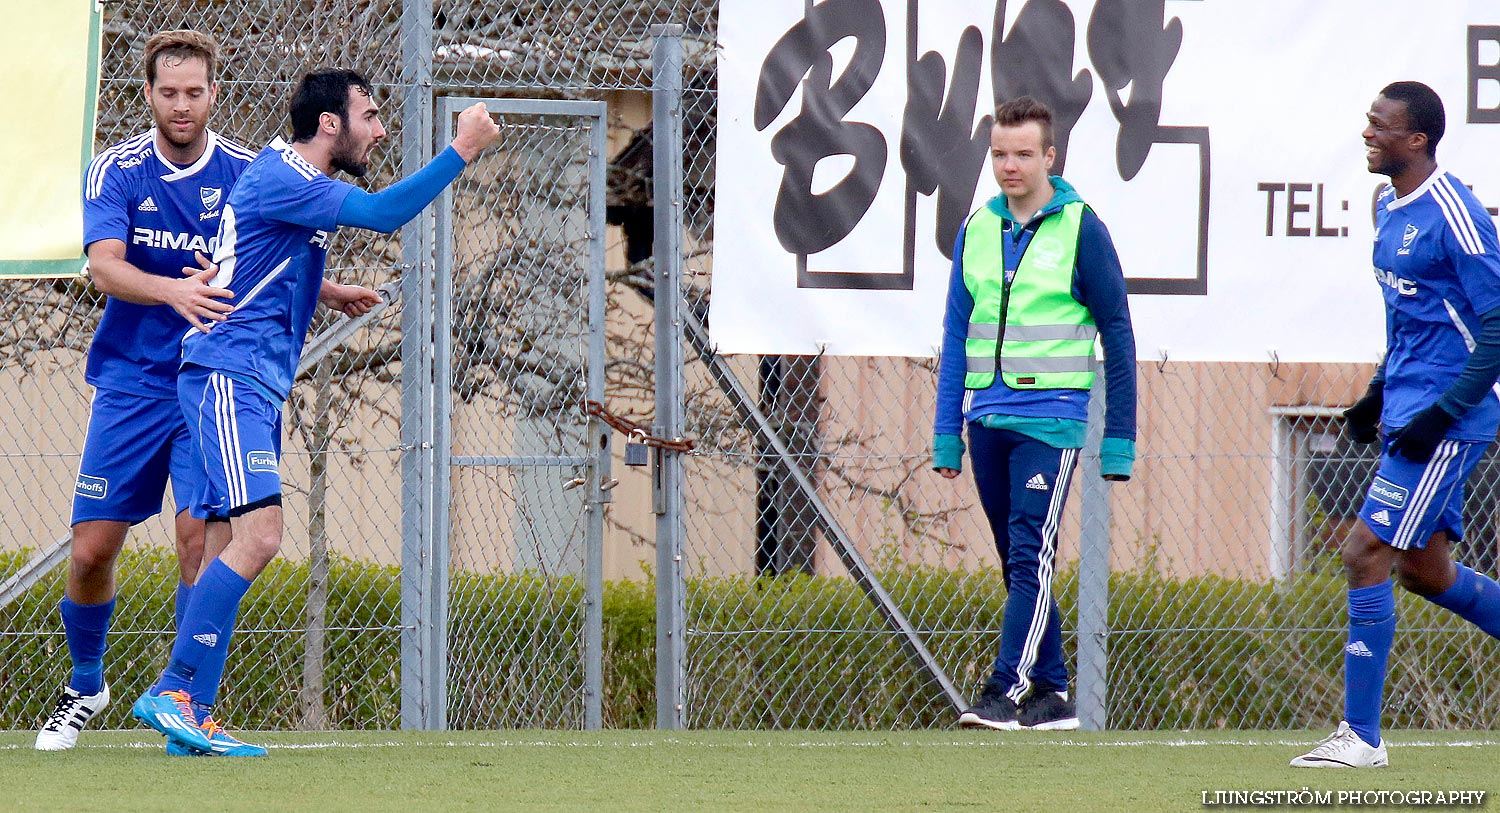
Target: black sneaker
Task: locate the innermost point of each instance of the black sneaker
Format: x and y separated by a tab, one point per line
1046	711
992	711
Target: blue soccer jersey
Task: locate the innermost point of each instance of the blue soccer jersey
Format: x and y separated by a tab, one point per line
162	213
273	245
1438	264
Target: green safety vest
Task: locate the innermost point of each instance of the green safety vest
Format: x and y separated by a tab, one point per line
1048	335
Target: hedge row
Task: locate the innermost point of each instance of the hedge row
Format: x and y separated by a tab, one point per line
787	652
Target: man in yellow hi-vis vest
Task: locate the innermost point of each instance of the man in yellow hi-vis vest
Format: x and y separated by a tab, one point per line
1035	281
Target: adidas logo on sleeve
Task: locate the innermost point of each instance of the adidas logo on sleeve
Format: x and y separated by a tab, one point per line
1381	517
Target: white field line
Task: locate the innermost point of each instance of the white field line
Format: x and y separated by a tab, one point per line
980	743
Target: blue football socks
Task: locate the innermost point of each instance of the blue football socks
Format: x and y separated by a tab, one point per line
86	626
202	645
1475	598
1372	627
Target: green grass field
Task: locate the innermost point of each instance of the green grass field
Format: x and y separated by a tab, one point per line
621	771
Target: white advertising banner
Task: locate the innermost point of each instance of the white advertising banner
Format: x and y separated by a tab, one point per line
1219	141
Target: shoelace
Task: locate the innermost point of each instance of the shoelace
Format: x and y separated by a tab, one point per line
1333	743
67	706
184	705
214	729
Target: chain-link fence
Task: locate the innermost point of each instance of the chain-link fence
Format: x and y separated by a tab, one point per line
1225	601
320	614
523	271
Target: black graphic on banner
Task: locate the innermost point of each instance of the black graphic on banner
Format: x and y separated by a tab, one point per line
1133	44
1482	72
806	222
1036	60
943	152
939	151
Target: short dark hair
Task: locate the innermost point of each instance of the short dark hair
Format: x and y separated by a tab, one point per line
1016	112
322	92
181	45
1424	111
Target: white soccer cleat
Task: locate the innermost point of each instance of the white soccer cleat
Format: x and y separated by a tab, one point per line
68	717
1344	749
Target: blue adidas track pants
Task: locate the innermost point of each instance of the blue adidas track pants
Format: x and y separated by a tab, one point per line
1023	485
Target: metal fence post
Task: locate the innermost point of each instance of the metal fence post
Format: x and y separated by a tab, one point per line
599	434
1093	572
439	512
417	655
667	482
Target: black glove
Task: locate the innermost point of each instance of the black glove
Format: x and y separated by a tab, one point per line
1421	437
1362	420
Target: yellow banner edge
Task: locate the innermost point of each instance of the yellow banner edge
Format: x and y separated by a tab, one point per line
60	269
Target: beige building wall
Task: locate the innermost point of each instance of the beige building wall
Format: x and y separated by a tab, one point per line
1202	499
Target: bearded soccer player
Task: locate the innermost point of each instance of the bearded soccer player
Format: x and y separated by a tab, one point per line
1438	265
150	204
235	378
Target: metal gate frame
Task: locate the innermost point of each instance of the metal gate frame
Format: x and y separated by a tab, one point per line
425	582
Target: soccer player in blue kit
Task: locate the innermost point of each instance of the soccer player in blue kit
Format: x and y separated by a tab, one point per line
151	203
1438	264
273	245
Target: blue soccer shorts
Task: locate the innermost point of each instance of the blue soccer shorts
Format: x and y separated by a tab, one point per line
237	433
1408	502
134	445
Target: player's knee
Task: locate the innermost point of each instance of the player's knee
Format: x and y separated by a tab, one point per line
266	545
190	547
190	536
1363	555
92	566
93	553
1420	577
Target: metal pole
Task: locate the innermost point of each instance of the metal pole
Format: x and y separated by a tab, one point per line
33	571
1281	497
599	434
439	515
667	483
416	368
1093	573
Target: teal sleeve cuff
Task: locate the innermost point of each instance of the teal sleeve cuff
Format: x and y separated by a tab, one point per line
1116	457
948	452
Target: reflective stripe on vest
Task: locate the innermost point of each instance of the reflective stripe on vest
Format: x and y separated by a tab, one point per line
1048	336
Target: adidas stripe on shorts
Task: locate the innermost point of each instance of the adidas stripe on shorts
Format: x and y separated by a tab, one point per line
1407	502
237	433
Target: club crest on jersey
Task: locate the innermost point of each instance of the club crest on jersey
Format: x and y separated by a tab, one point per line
210	195
1409	235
